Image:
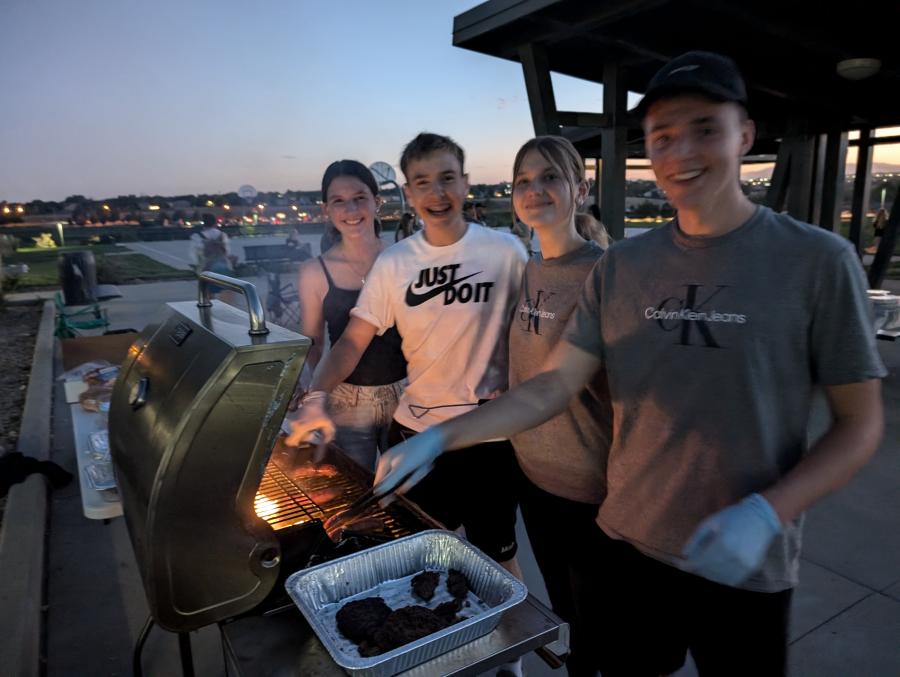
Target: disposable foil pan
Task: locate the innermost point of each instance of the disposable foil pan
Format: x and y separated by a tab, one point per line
386	570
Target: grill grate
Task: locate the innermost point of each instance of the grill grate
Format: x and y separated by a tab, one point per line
284	502
281	502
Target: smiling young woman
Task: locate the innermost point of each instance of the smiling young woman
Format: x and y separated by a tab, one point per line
363	405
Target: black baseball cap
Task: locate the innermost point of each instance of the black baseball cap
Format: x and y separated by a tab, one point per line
706	73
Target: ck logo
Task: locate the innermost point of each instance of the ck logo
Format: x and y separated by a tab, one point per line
531	314
442	280
693	315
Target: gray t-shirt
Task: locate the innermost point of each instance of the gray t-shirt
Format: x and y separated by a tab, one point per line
565	456
712	348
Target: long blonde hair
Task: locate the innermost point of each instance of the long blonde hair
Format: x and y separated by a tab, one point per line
591	229
566	160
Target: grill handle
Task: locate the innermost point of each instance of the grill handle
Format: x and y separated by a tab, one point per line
254	305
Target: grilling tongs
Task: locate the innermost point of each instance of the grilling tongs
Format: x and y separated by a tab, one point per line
357	508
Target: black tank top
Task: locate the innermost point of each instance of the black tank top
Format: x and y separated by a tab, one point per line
383	362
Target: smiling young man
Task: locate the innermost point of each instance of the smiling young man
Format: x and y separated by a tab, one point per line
714	329
449	290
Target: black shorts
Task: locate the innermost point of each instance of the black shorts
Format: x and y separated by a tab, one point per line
655	613
560	532
475	488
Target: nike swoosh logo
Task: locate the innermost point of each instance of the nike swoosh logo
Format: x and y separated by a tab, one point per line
413	299
684	68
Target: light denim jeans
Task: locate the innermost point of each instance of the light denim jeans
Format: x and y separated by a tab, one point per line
363	415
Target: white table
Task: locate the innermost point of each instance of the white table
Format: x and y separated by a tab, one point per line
97	505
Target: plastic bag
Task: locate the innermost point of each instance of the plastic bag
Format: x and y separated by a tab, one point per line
99	444
101	376
101	476
96	398
77	373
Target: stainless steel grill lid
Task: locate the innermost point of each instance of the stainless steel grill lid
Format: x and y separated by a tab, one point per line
194	415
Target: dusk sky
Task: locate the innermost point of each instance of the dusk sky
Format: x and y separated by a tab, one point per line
105	97
110	97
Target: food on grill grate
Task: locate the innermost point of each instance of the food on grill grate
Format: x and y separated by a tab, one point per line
310	471
359	620
360	526
424	584
322	496
407	625
457	585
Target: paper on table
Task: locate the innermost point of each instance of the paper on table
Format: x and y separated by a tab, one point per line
73	390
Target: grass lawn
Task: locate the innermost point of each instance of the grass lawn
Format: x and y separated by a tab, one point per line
134	268
115	265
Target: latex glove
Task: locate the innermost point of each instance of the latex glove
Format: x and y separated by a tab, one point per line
408	462
312	425
731	544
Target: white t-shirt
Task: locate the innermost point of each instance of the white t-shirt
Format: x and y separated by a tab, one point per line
452	307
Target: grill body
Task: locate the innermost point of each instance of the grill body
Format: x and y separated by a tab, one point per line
193	418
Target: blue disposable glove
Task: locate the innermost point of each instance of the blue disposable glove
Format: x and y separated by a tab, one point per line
731	544
409	462
312	424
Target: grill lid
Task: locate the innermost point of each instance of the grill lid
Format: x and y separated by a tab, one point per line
193	418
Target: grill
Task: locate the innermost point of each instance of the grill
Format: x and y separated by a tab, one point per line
218	510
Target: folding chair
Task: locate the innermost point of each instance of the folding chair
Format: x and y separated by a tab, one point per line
69	323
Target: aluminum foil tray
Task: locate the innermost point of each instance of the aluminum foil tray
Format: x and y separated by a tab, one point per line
386	570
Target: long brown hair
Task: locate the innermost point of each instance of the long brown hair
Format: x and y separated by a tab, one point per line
353	169
566	160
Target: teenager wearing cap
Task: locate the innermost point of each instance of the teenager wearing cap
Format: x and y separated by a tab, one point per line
714	330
